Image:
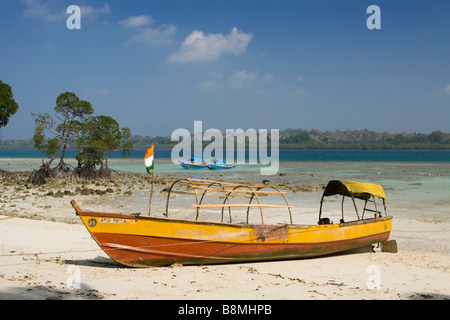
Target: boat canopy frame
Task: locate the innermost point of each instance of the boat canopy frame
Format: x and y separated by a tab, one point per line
359	190
202	187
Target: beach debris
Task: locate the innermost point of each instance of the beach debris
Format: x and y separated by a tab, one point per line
334	283
176	265
307	188
252	270
297	280
389	246
315	291
17	277
52	260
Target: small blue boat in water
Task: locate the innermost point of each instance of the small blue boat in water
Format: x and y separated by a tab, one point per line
193	163
218	164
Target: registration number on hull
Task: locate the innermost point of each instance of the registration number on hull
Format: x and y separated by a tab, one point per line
112	220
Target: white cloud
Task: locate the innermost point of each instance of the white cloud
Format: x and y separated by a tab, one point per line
137	21
40	10
36	9
91	13
241	78
447	90
156	36
268	77
261	83
236	80
147	32
200	47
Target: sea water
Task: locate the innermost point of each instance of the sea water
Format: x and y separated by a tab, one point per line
417	180
416	183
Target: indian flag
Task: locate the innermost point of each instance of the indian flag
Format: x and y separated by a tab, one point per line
149	160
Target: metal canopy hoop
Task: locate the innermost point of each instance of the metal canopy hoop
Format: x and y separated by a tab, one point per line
227	190
358	190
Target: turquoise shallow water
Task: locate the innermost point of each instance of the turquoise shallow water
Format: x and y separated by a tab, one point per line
284	154
417	184
416	180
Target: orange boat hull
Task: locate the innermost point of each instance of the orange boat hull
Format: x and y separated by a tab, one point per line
137	251
147	241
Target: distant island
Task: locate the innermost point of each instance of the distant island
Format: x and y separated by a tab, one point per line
311	139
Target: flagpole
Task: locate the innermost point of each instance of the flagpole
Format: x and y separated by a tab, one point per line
150	165
151	195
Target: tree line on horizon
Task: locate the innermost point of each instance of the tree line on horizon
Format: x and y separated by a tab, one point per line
311	139
347	139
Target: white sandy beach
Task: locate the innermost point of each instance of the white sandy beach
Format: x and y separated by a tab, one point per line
45	253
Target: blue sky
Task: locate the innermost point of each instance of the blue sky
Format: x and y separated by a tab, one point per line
156	66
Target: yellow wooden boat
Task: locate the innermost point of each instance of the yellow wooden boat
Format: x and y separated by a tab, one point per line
139	241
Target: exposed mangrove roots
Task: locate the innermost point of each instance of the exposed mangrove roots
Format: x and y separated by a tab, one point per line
40	176
8	174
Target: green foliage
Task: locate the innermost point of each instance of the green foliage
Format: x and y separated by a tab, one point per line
68	110
71	107
99	136
348	139
364	139
95	138
314	139
143	142
8	105
48	146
